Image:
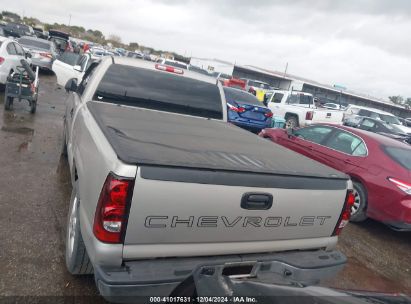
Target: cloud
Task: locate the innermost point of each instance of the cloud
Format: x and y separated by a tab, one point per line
361	44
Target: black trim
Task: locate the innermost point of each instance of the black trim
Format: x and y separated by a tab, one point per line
232	178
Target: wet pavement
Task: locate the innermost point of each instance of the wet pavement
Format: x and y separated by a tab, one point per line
34	196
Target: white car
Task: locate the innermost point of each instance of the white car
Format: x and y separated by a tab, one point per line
332	106
10	55
71	65
354	113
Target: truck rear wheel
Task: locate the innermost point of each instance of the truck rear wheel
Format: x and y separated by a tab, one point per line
291	122
77	260
8	103
358	210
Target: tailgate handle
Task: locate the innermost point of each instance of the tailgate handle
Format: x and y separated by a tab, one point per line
256	201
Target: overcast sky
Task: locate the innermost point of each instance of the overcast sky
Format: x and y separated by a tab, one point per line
361	44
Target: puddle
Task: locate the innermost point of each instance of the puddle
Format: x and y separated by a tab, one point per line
365	279
18	130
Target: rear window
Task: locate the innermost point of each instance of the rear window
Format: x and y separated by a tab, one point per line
235	95
400	155
35	43
157	90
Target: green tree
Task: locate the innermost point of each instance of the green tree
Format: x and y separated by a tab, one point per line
11	15
133	46
408	102
396	99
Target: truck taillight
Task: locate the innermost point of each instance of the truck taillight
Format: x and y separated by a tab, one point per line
309	115
346	213
252	91
112	209
1	60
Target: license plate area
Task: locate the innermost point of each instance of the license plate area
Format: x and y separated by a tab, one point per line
239	270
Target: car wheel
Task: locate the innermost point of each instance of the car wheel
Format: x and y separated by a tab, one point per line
358	210
8	103
291	122
77	260
33	107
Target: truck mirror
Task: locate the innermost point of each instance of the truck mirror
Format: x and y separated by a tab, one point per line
71	85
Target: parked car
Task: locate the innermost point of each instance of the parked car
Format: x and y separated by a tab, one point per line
405	121
43	52
354	113
2	32
379	167
383	128
62	40
332	106
299	109
135	55
71	65
163	185
40	33
11	52
257	88
235	83
173	63
246	111
18	30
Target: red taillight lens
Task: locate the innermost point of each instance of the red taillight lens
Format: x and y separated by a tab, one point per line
235	109
252	91
112	209
268	114
309	115
168	68
48	55
1	60
406	187
346	213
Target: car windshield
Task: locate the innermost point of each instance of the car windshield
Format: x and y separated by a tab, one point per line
390	119
400	155
163	91
45	45
258	84
236	96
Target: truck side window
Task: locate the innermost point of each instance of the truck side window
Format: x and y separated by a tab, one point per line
278	97
367	124
11	50
86	78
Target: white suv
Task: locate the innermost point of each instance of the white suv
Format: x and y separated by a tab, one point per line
353	115
10	55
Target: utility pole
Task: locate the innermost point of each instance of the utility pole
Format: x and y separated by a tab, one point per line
69	19
286	68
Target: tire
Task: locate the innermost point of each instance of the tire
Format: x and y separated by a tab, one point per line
77	259
8	103
33	106
291	122
64	144
358	211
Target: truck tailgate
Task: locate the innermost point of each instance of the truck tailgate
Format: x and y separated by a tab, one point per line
177	206
327	116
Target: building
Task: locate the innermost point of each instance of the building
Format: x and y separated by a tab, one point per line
213	65
326	93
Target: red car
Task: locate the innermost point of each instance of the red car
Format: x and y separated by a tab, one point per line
379	167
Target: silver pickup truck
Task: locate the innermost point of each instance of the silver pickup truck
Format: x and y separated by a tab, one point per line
163	186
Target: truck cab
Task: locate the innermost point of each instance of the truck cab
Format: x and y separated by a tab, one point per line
299	109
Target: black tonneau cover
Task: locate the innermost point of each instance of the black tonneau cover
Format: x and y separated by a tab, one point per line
146	137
